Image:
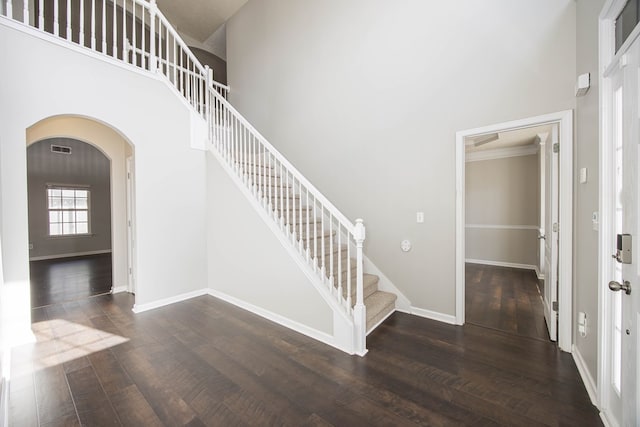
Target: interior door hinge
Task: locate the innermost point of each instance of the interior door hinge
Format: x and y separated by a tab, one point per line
556	147
556	227
554	306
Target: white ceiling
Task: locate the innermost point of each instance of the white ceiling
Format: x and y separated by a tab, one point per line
199	19
509	139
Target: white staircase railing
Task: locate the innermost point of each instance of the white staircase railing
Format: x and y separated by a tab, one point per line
137	33
322	235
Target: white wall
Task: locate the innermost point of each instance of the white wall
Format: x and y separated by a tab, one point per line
365	97
502	210
586	195
170	176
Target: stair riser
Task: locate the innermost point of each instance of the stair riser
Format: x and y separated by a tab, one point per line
261	180
317	251
368	290
378	316
327	261
294	201
315	231
327	248
275	191
292	210
343	271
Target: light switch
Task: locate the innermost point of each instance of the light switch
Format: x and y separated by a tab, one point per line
594	221
405	245
420	217
583	175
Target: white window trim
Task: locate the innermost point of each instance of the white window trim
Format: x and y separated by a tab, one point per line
68	187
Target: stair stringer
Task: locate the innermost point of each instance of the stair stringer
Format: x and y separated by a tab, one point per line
343	330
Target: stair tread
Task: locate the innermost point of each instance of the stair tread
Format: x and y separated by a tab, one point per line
369	287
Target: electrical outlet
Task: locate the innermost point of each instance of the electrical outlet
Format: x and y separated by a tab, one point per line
582	324
420	217
583	175
30	246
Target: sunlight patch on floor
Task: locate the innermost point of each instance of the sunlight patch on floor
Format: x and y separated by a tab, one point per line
59	341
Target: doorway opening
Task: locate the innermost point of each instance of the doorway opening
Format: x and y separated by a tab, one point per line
81	210
545	128
69	199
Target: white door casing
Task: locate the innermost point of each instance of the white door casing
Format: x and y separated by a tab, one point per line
564	122
551	235
131	286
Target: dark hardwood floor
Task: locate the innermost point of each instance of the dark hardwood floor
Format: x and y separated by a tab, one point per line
67	279
506	299
205	362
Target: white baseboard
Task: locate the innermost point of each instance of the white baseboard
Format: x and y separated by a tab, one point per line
539	274
587	379
276	318
433	315
139	308
119	289
69	255
501	264
606	421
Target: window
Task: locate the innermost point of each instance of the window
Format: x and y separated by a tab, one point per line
68	210
627	21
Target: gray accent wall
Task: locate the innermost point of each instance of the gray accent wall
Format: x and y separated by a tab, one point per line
365	97
217	64
502	195
585	240
85	166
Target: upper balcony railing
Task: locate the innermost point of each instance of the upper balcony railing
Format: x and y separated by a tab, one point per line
132	31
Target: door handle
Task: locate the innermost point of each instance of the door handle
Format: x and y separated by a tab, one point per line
616	286
542	237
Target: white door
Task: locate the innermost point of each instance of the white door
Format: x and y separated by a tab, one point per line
551	234
622	323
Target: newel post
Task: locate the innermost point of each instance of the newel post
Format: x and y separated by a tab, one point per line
153	62
359	310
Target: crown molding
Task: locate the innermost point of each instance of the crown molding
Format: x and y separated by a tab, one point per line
501	153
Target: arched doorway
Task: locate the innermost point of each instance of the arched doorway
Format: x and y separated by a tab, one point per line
111	222
69	199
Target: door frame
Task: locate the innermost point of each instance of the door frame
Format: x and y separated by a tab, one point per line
131	254
564	120
607	58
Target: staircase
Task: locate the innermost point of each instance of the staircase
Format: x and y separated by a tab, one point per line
328	246
307	231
